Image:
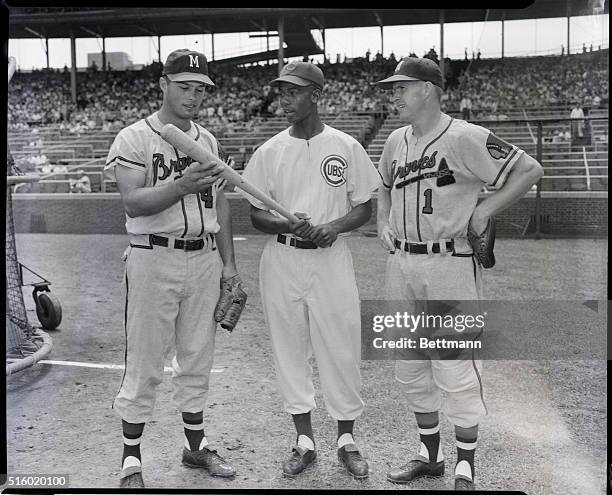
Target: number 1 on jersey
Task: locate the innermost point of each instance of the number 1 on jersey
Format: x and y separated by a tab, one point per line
427	208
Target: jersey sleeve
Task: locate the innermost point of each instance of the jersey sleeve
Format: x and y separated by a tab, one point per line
254	173
126	150
487	156
385	168
362	178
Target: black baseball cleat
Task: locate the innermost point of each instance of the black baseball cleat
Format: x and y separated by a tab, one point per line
355	464
464	484
209	460
131	479
299	460
415	469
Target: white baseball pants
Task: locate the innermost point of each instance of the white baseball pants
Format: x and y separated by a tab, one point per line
170	298
311	306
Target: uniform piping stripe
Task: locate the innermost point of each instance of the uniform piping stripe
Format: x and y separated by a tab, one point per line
156	132
178	160
418	205
125	160
197	132
474	352
505	165
201	215
125	316
405	234
151	126
418	213
479	378
405	163
383	180
185	217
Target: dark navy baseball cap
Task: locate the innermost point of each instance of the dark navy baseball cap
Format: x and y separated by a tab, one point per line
414	69
186	65
301	74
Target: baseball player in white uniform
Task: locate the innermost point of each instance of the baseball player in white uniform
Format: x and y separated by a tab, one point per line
433	170
179	225
307	282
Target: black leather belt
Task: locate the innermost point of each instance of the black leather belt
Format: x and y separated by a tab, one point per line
295	242
183	244
416	248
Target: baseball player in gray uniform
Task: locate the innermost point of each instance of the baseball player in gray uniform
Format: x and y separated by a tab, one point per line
179	224
307	282
433	170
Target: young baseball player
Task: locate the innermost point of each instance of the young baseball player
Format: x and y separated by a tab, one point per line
307	282
433	170
179	225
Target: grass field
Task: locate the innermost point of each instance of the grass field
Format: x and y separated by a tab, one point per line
545	431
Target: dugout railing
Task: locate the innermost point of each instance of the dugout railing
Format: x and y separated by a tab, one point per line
572	163
571	166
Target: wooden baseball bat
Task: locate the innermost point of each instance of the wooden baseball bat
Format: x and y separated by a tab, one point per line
192	148
12	66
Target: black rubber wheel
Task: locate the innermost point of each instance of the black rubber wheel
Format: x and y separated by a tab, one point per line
48	310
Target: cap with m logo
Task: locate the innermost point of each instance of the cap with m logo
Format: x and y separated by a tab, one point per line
186	65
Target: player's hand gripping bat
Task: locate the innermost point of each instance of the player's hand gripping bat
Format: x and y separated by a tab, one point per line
192	148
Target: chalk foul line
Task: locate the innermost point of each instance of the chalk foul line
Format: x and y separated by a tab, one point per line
167	369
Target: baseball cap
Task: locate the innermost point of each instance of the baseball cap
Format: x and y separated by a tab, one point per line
414	69
301	74
186	65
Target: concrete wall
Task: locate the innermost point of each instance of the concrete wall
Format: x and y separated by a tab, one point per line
569	214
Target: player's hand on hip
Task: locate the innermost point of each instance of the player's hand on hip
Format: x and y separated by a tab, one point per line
387	238
324	235
198	177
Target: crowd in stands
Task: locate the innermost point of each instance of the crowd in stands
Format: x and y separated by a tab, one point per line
497	84
243	97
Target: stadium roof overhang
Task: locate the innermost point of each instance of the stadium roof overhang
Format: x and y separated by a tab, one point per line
127	22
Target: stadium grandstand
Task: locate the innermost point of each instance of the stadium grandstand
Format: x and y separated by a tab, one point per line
65	131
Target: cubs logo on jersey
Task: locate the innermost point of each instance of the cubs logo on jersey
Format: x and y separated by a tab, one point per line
332	170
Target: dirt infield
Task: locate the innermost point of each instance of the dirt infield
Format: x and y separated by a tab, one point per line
545	431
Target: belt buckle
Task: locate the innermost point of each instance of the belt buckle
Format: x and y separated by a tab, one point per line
445	246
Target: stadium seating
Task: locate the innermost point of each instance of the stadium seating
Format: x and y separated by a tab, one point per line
79	137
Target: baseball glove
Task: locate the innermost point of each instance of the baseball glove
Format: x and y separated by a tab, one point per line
231	302
483	244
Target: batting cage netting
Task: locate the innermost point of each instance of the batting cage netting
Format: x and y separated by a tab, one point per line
25	345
